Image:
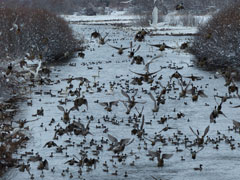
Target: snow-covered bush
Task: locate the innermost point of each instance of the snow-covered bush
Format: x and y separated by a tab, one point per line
36	32
218	43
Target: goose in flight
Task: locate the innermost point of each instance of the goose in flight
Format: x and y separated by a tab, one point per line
108	105
200	140
120	49
66	113
118	146
131	101
160	157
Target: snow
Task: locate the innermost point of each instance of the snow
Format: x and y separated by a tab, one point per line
219	164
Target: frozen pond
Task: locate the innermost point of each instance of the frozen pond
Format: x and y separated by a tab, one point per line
220	164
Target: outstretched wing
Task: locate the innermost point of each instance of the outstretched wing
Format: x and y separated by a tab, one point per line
167	156
125	94
113	103
87	127
236	124
151	96
153	153
72	109
103	103
149	62
143	119
61	108
193	132
114	47
112	138
140	74
153	72
137	48
206	131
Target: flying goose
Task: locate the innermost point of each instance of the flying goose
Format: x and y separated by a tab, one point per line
118	146
102	40
133	51
161	47
159	157
120	49
200	140
146	76
66	113
139	131
131	101
108	105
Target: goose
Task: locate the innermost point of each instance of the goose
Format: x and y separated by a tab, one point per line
50	144
138	60
161	47
95	34
79	102
82	130
194	78
120	49
133	51
233	88
118	146
66	112
159	157
43	165
102	40
184	91
71	162
176	75
139	131
140	113
131	101
146	76
108	105
140	35
200	140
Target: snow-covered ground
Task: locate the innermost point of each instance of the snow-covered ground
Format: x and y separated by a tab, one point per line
219	164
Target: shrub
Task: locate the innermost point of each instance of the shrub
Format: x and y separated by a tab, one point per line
34	31
218	43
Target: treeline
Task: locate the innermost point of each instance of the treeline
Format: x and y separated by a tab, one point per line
218	44
35	32
63	6
195	7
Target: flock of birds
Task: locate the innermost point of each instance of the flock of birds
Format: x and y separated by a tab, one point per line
141	137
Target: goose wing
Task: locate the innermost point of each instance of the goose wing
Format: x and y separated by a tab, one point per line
193	132
167	156
112	138
61	108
